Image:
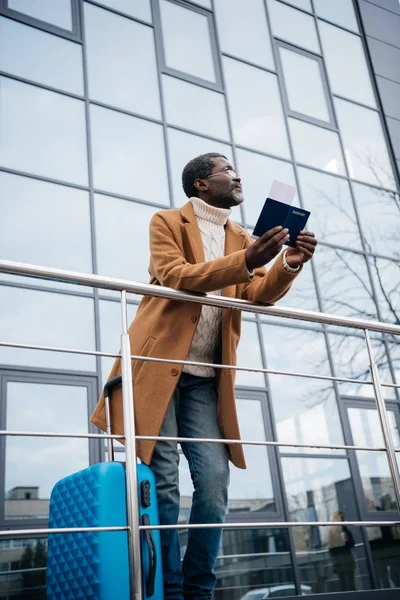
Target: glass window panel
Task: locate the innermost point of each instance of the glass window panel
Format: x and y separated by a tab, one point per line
364	144
234	17
34	465
293	26
350	359
51	215
316	146
256	108
123	72
56	13
182	148
317	489
302	294
374	469
304	4
110	331
250	490
128	156
304	85
194	107
21	554
379	212
386	278
52	133
344	283
305	409
332	218
122	238
46	319
257	173
340	12
348	78
140	10
385	548
46	58
252	563
249	355
188	53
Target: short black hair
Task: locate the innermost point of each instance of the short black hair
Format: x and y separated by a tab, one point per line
198	168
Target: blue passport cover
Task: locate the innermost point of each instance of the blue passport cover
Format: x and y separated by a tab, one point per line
278	213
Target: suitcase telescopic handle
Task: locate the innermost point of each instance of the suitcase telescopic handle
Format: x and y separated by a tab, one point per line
108	388
151	547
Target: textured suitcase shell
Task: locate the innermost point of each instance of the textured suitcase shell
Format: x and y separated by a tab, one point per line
95	566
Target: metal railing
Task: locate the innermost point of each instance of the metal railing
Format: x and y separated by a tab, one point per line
124	287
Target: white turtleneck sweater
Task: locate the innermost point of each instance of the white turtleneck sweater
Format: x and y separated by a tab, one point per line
211	222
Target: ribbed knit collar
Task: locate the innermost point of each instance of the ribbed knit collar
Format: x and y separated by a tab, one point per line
205	211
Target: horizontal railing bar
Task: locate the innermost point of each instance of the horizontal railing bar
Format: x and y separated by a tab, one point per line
58	349
270	524
60	435
255	443
183	439
251	525
145	289
194	363
46	531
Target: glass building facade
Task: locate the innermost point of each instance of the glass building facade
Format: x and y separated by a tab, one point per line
102	103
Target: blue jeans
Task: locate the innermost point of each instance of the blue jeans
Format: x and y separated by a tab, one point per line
192	413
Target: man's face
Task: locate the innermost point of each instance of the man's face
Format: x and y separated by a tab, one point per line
223	188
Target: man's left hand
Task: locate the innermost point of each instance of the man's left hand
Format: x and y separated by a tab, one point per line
306	243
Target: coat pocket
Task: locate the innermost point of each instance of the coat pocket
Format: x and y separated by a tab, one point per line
144	351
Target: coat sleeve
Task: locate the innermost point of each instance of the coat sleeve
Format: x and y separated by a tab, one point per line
268	285
172	269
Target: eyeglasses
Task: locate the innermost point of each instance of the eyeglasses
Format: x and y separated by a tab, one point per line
232	174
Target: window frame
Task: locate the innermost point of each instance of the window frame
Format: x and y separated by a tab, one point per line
74	35
217	86
331	124
95	452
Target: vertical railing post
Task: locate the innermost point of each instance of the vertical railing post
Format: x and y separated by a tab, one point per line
384	420
130	449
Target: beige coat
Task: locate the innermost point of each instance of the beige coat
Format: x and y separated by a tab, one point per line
165	328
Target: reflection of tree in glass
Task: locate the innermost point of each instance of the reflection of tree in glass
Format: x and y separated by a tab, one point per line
34	582
385	272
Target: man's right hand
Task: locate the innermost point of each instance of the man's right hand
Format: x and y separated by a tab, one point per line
266	247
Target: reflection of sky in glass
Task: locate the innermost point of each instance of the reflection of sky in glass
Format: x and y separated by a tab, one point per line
195	107
42	461
386	278
57	13
340	12
364	144
128	156
123	72
316	146
140	10
110	331
379	213
348	78
293	26
350	359
250	17
328	198
256	108
305	409
188	53
50	139
344	283
46	319
45	58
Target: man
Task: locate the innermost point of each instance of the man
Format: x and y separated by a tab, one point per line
197	248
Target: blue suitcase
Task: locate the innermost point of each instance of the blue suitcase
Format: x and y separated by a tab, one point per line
95	565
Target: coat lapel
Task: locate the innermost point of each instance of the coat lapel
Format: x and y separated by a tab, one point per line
192	232
234	241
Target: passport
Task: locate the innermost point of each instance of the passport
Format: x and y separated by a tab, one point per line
278	210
